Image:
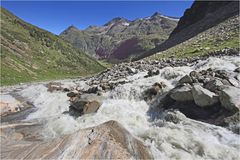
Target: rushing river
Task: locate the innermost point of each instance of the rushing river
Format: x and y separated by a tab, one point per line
188	139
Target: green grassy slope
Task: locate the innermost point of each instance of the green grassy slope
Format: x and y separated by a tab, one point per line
224	35
29	53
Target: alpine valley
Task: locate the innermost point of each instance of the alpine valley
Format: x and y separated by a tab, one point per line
160	88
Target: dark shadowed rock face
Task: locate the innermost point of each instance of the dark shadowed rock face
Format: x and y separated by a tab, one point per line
200	17
201	9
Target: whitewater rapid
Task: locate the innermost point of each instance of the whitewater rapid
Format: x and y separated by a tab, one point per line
187	139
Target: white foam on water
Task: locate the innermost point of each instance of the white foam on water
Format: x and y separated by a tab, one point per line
225	63
48	104
188	139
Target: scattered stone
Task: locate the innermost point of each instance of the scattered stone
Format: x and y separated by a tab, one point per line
66	89
193	74
152	73
73	94
221	74
54	86
92	90
131	70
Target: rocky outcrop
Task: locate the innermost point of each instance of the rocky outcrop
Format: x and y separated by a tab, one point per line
109	140
200	17
206	95
202	10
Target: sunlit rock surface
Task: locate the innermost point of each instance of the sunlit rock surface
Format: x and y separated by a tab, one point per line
106	141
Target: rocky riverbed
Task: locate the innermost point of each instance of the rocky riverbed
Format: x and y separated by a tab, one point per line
168	109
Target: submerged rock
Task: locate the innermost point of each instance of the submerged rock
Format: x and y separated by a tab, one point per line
174	116
150	93
92	90
73	94
152	73
54	86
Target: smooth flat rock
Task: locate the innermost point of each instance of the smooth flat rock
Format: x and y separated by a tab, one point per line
109	140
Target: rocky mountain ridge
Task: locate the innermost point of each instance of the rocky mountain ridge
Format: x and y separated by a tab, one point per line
121	38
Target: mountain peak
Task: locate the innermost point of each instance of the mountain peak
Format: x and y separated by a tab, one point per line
116	20
72	27
69	29
156	14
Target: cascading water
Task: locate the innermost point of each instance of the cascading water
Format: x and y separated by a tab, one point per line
187	139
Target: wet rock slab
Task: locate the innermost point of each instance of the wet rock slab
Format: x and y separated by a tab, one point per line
109	140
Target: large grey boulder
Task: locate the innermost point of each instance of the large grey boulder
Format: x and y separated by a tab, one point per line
213	85
230	98
203	97
185	79
85	104
183	93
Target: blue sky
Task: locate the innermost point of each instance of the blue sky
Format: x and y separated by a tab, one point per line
56	16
